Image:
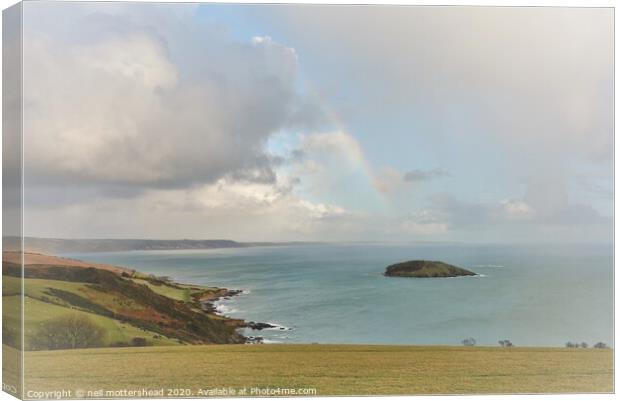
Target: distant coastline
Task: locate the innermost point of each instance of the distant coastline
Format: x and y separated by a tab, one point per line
56	246
61	245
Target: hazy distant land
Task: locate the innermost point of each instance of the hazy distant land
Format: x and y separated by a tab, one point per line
61	245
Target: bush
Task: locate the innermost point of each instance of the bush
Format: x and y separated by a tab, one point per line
600	345
139	342
505	343
68	332
583	345
469	342
9	336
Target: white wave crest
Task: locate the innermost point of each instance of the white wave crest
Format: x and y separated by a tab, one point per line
267	341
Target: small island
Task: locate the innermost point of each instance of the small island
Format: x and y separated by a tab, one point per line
426	269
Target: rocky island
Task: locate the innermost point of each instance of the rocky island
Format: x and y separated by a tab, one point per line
425	269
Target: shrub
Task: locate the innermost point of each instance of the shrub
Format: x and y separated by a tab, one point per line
600	345
583	345
505	343
469	342
9	336
139	342
68	332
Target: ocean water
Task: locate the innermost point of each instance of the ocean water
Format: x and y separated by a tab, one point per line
531	295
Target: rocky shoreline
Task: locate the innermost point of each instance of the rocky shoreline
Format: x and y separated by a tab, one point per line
167	311
208	301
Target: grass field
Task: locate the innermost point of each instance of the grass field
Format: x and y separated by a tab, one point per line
180	294
330	369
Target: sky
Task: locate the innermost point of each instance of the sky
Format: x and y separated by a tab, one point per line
318	123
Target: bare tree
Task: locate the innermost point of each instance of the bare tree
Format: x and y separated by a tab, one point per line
67	332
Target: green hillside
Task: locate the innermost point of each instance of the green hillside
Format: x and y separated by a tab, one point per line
125	307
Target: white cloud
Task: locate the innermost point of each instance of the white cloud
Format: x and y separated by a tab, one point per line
338	144
118	107
224	209
148	122
334	167
516	89
517	210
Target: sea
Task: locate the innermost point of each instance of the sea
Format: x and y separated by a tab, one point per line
531	295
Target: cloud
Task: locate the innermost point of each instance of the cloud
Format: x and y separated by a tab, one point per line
141	105
424	175
333	166
517	210
337	144
449	213
425	223
159	120
390	180
493	83
223	209
550	199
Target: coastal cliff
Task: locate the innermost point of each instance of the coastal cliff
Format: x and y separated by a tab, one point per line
131	307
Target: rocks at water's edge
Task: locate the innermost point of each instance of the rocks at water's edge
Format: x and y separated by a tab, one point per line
259	325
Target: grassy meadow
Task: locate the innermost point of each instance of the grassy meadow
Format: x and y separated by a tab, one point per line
330	369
